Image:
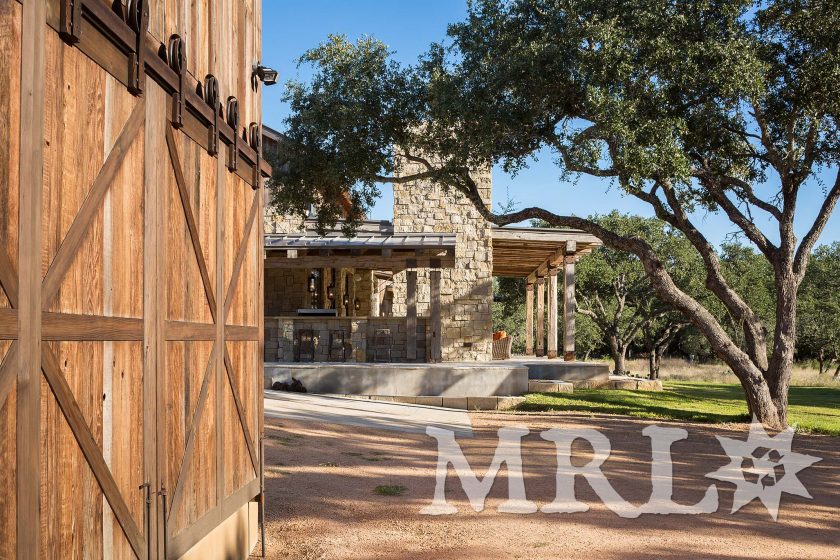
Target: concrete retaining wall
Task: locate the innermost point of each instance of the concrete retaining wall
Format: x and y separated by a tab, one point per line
444	380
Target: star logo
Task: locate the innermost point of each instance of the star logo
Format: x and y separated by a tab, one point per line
763	467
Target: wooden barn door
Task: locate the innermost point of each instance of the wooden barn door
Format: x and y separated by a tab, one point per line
210	265
130	308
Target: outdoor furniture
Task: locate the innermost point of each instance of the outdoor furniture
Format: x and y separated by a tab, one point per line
305	345
382	343
502	348
338	346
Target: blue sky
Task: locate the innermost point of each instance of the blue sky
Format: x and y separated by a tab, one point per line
408	27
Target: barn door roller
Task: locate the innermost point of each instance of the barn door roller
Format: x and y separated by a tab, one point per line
233	122
70	20
176	54
211	97
256	143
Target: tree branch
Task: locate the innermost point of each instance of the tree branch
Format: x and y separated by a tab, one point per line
803	253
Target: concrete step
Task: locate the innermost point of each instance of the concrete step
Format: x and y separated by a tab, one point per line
460	403
550	386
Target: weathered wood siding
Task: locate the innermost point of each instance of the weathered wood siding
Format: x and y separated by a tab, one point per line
130	285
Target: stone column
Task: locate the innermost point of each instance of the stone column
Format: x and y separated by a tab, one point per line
540	316
552	312
411	315
529	319
569	303
434	315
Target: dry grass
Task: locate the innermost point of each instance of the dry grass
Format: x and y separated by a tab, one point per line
681	370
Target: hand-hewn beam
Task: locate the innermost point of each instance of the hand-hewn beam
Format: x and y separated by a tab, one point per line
569	304
552	312
379	262
540	316
529	319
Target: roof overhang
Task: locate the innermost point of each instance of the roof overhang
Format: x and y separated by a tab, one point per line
531	252
367	250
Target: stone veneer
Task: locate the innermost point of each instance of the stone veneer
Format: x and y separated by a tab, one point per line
466	289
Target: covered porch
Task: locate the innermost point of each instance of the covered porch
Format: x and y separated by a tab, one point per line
330	302
540	256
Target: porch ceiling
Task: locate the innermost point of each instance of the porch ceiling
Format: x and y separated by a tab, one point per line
524	252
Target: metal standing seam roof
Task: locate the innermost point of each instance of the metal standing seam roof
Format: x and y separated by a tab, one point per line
361	241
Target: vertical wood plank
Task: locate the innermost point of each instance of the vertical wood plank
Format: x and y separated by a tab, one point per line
529	319
552	312
29	315
540	316
154	303
434	312
411	315
219	418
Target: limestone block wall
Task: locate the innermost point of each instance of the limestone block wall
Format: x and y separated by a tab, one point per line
467	289
286	291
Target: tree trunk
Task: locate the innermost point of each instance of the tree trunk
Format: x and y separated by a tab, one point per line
657	361
653	369
837	373
618	351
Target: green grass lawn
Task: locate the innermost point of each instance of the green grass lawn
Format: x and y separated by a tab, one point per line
813	409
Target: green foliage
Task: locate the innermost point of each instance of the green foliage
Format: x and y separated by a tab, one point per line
813	409
818	328
390	490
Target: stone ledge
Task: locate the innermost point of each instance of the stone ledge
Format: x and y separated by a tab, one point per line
634	384
550	386
460	403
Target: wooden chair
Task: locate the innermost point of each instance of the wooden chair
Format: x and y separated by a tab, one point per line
305	345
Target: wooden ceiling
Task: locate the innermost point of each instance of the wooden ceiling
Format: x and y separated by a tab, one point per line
524	252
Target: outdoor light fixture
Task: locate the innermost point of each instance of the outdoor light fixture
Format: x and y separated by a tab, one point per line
345	300
311	282
266	75
357	304
330	292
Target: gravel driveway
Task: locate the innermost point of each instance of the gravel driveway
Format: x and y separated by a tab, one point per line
322	504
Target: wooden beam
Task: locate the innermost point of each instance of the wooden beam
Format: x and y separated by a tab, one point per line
552	313
69	326
155	196
8	324
373	262
411	315
434	315
540	316
569	307
31	161
529	319
351	294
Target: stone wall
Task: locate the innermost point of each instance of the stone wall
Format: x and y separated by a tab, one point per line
282	332
286	290
467	289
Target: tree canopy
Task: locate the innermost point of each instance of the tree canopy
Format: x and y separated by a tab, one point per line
725	106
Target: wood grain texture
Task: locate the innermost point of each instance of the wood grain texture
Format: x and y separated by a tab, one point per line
28	391
69	249
114	310
10	48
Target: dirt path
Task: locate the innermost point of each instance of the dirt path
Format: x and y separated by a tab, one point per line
322	505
